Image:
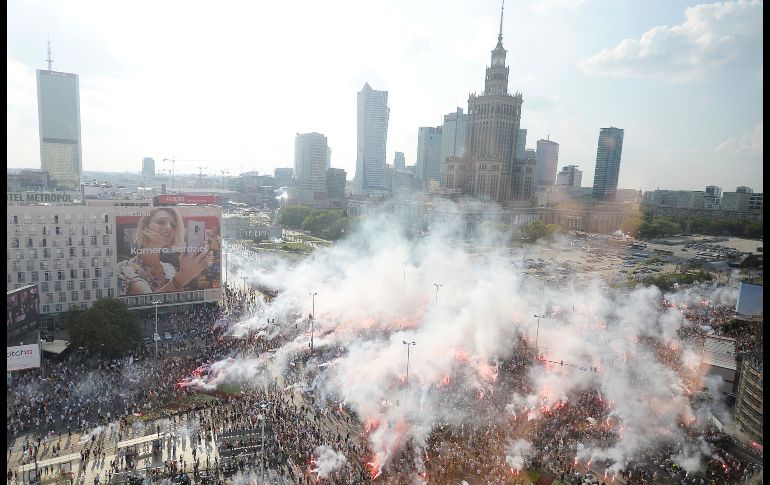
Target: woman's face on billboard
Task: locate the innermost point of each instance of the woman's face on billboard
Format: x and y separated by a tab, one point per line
161	229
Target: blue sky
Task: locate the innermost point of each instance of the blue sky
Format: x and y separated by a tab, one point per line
228	85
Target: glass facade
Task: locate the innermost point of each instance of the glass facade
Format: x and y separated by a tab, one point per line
58	99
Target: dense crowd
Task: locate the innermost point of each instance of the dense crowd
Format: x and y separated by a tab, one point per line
81	393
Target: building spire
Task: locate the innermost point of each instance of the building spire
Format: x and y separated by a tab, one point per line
500	35
49	60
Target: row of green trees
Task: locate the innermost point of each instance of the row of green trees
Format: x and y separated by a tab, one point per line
330	224
661	226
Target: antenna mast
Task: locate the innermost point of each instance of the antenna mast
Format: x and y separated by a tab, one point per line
49	60
500	35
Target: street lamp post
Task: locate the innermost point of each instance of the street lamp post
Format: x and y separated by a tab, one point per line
262	417
537	334
312	318
156	336
437	287
408	345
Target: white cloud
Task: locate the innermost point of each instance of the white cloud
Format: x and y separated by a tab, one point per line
544	7
749	142
713	36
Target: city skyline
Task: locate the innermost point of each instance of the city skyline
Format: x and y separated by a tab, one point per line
688	123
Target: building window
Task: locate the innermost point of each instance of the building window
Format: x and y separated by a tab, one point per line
15	242
30	244
34	276
94	284
49	298
20	276
73	274
93	241
105	240
83	284
98	294
87	273
45	309
97	272
73	252
86	294
75	295
59	307
70	285
110	293
44	286
55	219
62	297
84	306
60	275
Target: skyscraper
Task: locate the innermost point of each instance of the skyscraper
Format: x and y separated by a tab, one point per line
521	144
547	162
488	170
453	136
372	138
148	168
607	170
310	155
428	155
399	161
58	108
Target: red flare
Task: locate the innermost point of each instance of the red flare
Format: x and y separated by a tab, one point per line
462	356
374	468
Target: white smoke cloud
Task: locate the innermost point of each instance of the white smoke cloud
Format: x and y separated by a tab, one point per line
327	460
377	289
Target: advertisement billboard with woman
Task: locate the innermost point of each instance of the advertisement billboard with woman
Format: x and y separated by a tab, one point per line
168	249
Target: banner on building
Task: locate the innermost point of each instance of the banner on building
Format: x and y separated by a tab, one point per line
168	249
23	357
22	313
169	199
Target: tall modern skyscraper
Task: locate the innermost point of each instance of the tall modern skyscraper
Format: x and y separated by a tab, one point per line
608	164
399	161
58	108
488	170
310	155
428	155
547	162
453	136
373	115
521	144
148	168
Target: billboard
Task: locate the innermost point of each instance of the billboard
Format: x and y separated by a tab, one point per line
168	249
22	312
185	199
23	357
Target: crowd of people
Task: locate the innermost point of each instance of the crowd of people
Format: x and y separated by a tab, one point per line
81	393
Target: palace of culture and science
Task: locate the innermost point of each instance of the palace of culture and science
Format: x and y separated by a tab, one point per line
489	170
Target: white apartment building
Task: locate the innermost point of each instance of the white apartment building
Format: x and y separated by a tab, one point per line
67	250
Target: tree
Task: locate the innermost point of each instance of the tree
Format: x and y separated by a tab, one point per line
108	327
316	222
294	215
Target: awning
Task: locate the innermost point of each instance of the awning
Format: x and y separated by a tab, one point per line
55	347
